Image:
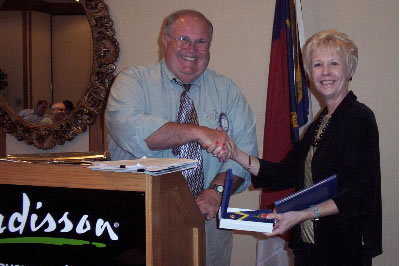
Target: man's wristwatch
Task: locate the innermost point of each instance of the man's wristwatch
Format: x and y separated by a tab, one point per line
217	188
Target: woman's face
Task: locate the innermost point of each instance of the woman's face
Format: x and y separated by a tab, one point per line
329	74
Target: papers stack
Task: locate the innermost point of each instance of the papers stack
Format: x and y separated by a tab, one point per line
150	166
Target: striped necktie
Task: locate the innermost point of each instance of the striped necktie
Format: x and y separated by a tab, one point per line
192	150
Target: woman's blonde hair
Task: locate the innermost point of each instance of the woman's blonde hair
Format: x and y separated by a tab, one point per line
333	39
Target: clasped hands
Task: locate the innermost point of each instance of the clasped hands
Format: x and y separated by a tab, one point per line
219	144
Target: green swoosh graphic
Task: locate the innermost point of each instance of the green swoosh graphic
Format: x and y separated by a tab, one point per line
50	241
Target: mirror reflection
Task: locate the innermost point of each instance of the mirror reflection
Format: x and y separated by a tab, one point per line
91	97
46	56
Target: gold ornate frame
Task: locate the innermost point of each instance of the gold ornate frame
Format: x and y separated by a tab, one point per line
105	54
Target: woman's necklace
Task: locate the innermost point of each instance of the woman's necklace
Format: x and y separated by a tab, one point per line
320	129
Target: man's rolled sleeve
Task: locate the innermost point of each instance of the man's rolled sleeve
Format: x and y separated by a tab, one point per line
144	128
126	120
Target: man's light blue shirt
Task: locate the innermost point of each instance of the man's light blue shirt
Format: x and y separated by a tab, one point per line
143	99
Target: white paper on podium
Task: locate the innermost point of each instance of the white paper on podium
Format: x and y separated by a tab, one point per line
150	166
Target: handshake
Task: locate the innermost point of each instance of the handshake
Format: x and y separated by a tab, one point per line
218	143
221	145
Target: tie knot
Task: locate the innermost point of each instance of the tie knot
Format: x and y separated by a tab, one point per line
186	86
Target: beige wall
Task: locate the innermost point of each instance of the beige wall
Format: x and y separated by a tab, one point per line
240	50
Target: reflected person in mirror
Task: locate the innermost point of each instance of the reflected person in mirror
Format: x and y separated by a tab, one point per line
69	107
37	114
172	109
343	140
57	114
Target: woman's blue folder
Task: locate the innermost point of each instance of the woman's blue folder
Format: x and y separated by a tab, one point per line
312	195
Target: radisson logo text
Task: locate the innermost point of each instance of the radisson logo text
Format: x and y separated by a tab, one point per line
17	223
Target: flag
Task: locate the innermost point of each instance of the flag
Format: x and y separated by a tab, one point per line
286	111
299	100
277	116
287	96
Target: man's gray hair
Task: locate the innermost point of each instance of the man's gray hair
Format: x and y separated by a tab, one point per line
171	19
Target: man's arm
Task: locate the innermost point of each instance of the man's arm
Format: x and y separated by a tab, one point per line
135	118
174	134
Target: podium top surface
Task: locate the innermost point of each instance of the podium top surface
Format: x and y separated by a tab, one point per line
70	176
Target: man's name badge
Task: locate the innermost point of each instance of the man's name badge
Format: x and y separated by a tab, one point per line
223	122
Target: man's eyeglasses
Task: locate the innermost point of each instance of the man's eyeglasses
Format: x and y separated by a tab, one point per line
185	42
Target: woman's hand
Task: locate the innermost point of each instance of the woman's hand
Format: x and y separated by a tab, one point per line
222	150
284	222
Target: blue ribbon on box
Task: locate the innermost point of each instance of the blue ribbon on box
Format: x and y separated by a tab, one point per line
254	216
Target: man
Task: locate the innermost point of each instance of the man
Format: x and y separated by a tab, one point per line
145	104
57	114
37	114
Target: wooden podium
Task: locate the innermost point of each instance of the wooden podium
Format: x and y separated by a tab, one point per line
174	224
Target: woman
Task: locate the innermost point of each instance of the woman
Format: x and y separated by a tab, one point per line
343	140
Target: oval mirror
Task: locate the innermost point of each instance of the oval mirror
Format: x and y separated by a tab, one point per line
93	87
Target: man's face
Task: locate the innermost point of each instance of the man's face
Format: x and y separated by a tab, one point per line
58	111
187	63
41	109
